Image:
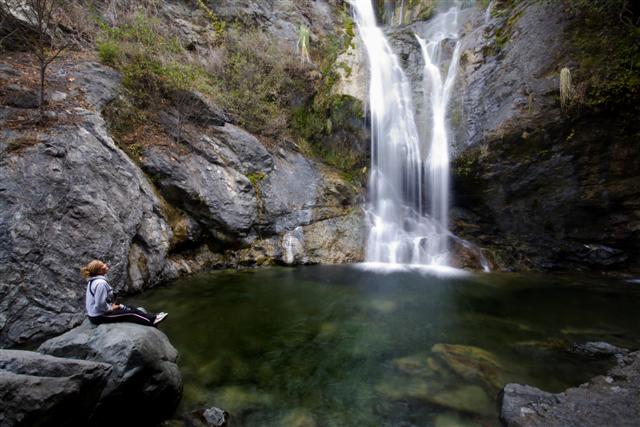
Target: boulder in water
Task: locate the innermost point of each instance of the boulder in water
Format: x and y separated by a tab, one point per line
145	382
37	389
610	400
472	364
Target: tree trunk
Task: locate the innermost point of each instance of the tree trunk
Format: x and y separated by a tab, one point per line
43	69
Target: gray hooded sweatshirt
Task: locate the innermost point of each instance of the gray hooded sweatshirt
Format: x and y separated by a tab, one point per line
99	294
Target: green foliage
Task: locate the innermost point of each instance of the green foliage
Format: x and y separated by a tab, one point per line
255	81
148	58
108	52
217	24
303	43
255	177
606	42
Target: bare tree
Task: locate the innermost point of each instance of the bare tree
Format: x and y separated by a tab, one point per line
40	16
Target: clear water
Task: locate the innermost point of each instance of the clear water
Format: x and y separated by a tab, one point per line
342	346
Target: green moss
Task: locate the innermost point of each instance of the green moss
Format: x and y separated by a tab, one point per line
503	33
465	164
255	177
605	41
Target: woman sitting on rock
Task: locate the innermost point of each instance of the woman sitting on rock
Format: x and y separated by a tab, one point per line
100	303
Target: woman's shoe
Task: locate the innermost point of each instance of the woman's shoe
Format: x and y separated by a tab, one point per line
160	317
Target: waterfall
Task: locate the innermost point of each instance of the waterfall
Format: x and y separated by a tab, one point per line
437	96
403	227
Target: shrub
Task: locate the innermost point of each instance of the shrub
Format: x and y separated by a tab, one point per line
108	52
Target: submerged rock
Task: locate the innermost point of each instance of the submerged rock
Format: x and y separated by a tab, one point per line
598	349
472	364
145	382
215	417
42	390
611	399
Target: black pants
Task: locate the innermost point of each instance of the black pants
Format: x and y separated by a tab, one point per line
126	314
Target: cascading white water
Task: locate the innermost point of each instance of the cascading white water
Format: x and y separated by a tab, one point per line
438	92
400	230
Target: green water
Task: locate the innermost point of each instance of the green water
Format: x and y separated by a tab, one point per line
339	346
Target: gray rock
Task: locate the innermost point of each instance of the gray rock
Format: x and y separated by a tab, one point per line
145	383
42	390
290	192
99	84
222	144
598	349
220	198
331	241
605	400
215	417
201	109
68	198
520	401
7	71
20	97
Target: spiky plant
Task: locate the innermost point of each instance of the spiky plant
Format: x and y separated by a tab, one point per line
303	43
566	88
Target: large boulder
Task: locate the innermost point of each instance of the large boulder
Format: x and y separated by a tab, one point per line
145	383
611	399
41	390
69	195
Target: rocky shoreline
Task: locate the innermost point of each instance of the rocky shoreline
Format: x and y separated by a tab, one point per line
91	375
609	399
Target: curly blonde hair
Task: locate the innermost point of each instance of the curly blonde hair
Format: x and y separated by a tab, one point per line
92	269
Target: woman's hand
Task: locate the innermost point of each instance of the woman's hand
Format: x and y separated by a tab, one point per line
115	306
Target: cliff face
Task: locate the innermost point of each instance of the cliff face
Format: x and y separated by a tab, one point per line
543	186
167	195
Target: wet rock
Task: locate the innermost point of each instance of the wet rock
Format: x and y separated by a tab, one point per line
215	417
470	399
605	400
238	400
541	347
472	364
544	191
598	349
145	382
42	390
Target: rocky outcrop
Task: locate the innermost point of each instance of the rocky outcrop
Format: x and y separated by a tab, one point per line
533	182
217	198
538	184
42	390
611	399
145	382
69	195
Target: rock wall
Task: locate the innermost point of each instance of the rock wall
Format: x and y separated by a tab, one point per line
541	186
70	195
544	187
219	198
